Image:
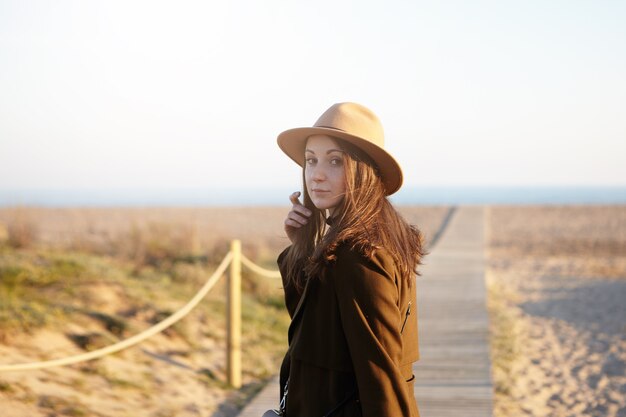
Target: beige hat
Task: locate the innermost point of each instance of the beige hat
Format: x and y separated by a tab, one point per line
354	124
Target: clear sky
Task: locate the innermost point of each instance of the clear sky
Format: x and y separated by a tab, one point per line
102	94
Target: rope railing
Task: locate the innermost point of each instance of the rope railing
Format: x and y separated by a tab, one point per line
234	258
257	269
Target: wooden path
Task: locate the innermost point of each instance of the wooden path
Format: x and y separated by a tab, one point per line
453	375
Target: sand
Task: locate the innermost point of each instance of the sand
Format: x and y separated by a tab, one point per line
559	275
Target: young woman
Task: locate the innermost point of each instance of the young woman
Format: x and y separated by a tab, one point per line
349	274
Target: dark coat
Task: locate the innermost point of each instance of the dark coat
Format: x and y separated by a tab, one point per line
345	333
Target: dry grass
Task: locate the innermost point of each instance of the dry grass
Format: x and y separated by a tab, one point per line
116	230
21	231
134	231
504	336
541	231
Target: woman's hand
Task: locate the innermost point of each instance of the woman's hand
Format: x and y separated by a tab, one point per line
297	217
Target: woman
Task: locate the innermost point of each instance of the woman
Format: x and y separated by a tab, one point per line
349	274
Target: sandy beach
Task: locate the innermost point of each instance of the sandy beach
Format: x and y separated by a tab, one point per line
557	286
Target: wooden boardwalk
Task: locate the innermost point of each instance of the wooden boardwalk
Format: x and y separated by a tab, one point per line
453	375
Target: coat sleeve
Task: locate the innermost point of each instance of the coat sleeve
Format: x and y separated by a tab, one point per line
367	294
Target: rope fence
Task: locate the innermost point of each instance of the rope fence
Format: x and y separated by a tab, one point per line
234	258
257	269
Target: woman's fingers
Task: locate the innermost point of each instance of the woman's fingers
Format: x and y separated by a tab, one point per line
297	205
289	223
297	217
294	198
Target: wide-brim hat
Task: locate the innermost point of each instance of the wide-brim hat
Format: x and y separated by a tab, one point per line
355	124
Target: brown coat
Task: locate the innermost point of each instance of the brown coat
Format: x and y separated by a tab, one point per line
346	332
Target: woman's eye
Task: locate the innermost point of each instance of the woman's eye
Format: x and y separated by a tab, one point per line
336	161
310	161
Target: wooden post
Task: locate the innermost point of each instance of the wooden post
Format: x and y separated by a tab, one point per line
233	364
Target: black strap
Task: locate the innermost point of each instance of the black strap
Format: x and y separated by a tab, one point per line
283	402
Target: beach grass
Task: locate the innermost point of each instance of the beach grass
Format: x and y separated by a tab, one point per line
77	279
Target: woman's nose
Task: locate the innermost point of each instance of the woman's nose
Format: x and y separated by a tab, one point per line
318	174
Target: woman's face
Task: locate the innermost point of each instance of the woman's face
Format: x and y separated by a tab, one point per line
324	173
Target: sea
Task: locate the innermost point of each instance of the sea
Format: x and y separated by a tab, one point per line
279	196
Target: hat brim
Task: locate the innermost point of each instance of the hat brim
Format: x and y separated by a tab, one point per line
292	142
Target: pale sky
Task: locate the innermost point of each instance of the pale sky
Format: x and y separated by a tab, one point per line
101	94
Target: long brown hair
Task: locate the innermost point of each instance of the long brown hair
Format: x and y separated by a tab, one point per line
365	220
